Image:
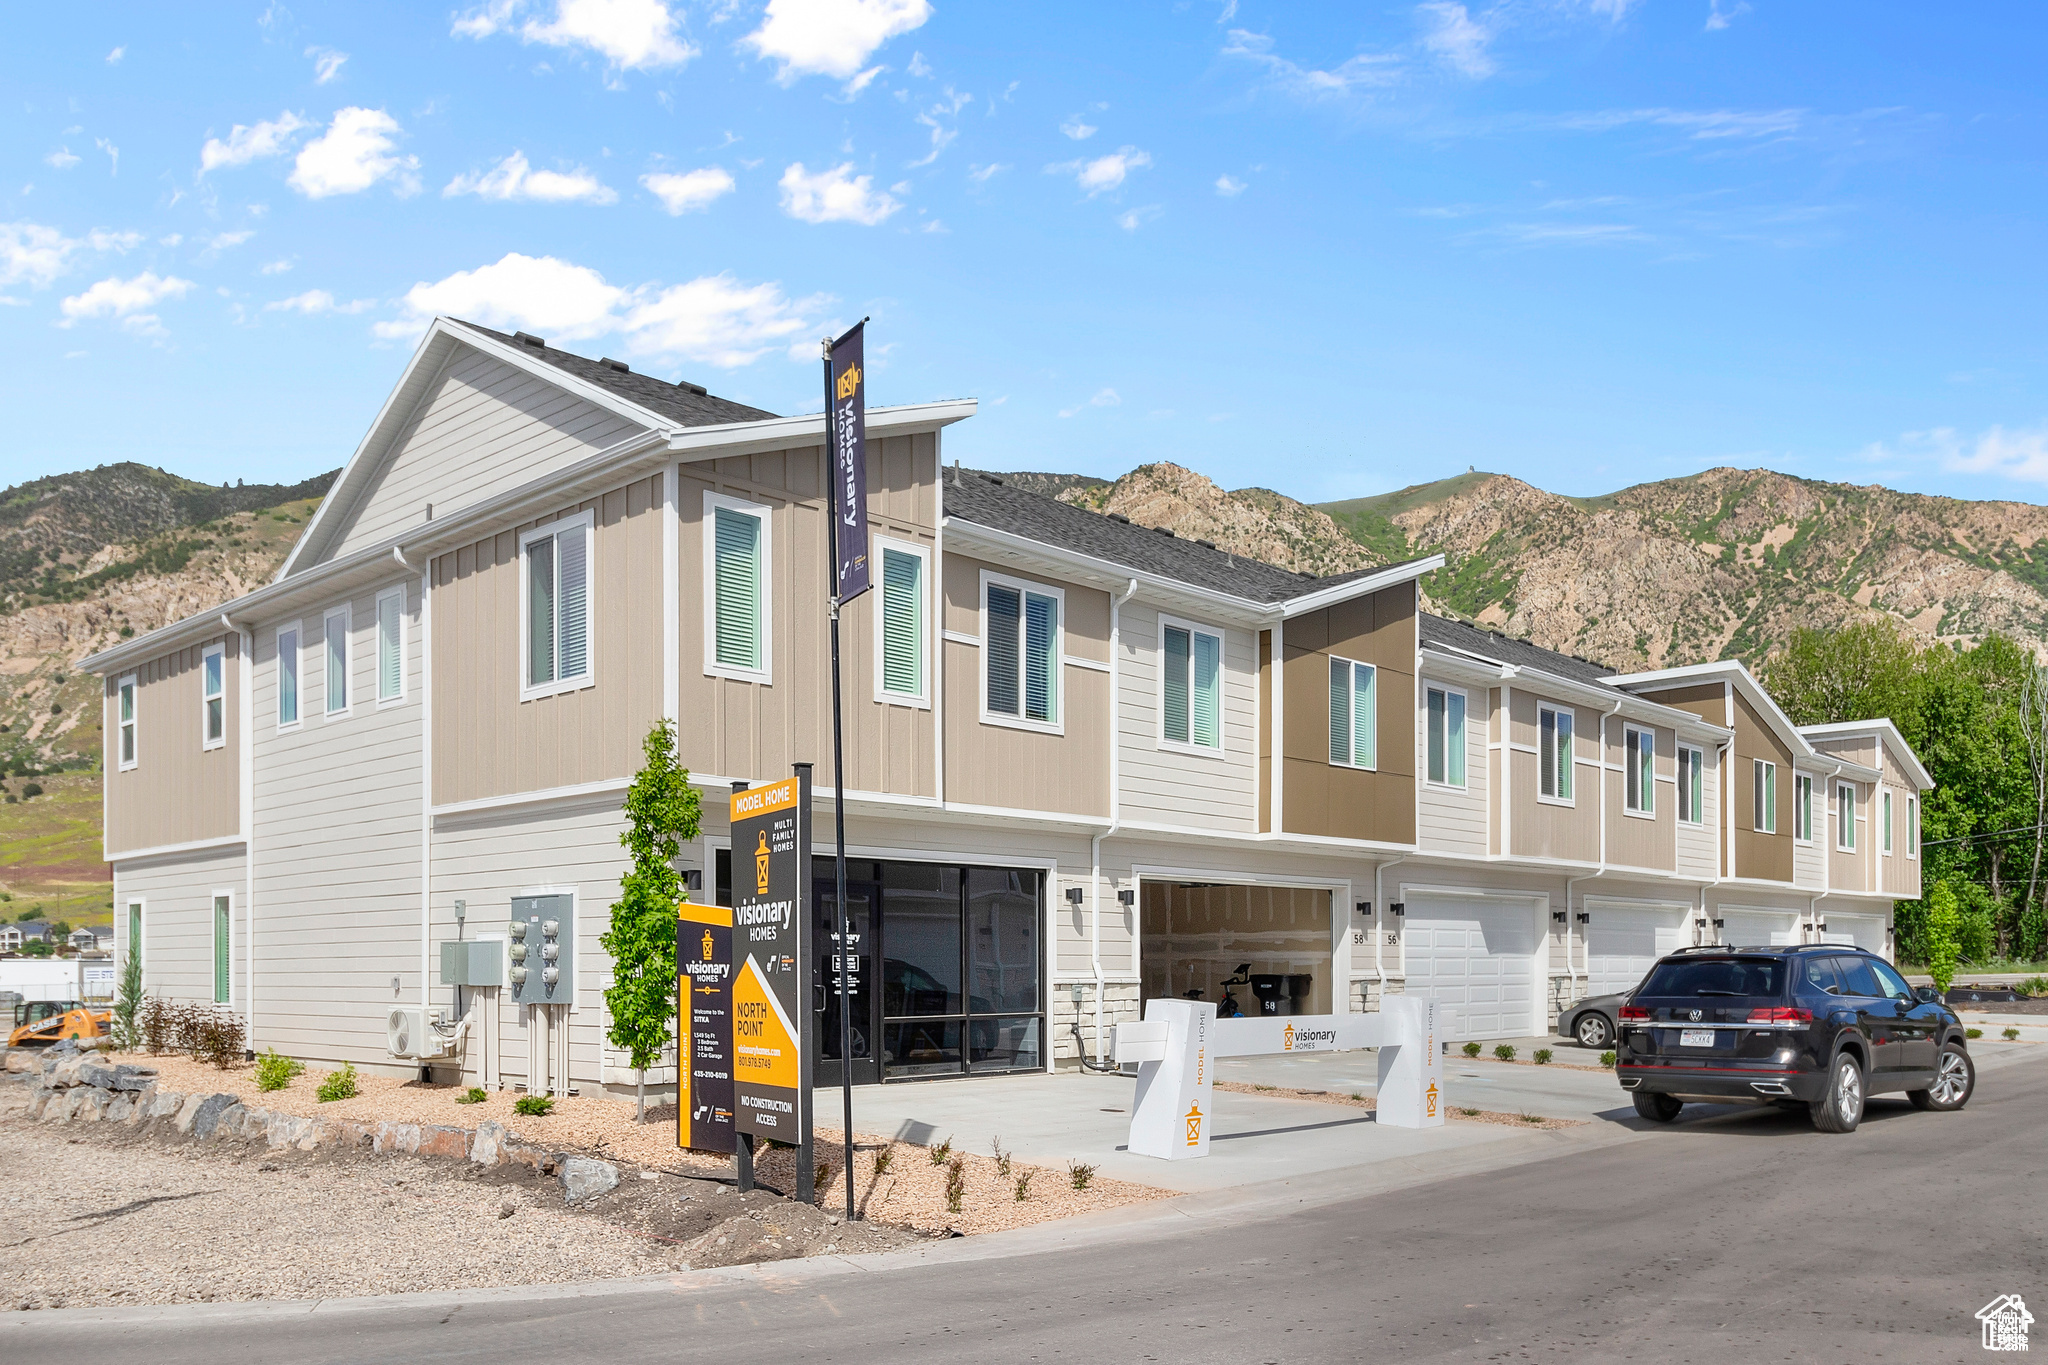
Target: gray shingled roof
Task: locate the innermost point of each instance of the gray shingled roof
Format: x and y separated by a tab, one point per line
1441	630
986	501
687	404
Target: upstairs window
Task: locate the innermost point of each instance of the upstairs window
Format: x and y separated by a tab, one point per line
1763	796
1190	686
1554	756
899	646
1845	817
1021	652
124	710
1912	827
223	946
213	697
1639	776
1446	738
391	645
1354	714
1692	806
335	631
1885	825
288	677
1802	808
737	611
556	622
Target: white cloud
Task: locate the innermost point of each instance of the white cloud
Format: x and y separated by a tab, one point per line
1229	186
316	301
1456	38
1366	69
543	294
222	241
691	191
1718	18
834	195
718	320
35	255
919	66
1078	130
170	239
326	63
860	82
251	143
831	37
514	179
353	154
276	267
1104	398
2021	455
63	158
113	154
632	35
114	57
1104	173
128	300
1132	219
980	174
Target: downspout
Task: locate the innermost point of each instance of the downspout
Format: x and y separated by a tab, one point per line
1116	812
426	656
1379	938
246	774
1827	860
1570	915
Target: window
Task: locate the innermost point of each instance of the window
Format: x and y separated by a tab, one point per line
1888	979
899	625
1446	737
1802	808
1885	825
223	923
334	630
1845	817
1021	652
1354	714
1692	806
556	621
288	677
124	706
391	645
737	606
1912	827
135	930
1190	685
1763	796
1639	775
1857	978
1554	753
213	697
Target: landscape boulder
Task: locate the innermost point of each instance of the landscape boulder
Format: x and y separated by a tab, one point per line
584	1176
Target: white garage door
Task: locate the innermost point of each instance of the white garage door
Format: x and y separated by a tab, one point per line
1865	931
1479	958
1623	943
1758	928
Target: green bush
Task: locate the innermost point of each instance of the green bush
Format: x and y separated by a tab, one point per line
274	1070
2011	1035
1942	933
883	1158
1079	1175
1608	1059
339	1085
941	1153
1024	1184
2033	985
476	1094
1973	1033
956	1183
1504	1051
1542	1056
532	1106
1471	1049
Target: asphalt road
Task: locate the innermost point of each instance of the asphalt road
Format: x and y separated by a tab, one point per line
1736	1236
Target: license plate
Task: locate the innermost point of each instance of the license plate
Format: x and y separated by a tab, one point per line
1696	1037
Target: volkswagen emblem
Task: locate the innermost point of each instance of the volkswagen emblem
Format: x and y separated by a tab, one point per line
1695	1016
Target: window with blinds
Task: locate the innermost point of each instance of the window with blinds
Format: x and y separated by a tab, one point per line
1190	686
736	585
900	648
1692	762
1802	808
1354	714
556	585
223	922
1446	736
1554	753
1020	645
1639	776
288	677
1845	817
391	645
1763	796
334	631
124	710
213	697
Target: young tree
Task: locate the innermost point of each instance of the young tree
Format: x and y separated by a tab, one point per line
661	813
129	1001
1943	935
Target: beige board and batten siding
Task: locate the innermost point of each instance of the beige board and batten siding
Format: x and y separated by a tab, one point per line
1186	785
491	740
177	920
992	764
1698	842
756	730
337	845
1642	840
483	427
1550	827
179	791
1849	870
1901	871
1759	855
1319	797
1451	818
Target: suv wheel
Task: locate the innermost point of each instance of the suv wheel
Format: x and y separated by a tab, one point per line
1594	1031
1657	1108
1841	1109
1954	1080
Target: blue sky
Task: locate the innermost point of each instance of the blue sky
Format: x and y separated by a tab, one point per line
1332	250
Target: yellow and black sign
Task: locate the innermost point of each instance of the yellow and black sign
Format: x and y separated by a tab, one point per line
704	1064
770	1066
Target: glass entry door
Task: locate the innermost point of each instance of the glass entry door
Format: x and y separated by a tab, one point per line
859	956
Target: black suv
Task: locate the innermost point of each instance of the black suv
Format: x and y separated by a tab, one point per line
1820	1026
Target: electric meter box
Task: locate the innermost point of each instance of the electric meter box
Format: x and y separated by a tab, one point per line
543	950
473	962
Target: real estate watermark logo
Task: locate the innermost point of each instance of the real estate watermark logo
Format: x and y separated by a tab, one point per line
2005	1320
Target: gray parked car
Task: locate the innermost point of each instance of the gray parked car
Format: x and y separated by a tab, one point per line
1591	1020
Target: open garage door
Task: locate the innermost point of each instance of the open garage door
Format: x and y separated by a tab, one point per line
1865	931
1623	941
1478	957
1759	928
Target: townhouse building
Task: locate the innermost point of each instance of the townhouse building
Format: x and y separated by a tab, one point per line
1087	762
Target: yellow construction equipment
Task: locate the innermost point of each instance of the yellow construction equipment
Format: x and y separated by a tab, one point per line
38	1023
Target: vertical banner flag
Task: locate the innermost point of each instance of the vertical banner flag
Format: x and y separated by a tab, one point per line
704	1108
768	1002
849	435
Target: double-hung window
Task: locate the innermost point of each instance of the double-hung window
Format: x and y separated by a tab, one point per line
334	631
555	625
223	962
1912	827
1446	736
1845	817
1554	756
1639	775
1354	714
900	625
738	621
1802	807
213	697
1885	824
124	711
1020	635
288	677
1692	806
391	645
1190	686
1763	796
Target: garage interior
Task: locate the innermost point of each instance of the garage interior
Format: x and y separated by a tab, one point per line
1194	935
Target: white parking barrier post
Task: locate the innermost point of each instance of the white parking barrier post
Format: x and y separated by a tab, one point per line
1412	1072
1176	1077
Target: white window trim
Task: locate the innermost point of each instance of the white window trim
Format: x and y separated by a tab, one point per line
1193	628
297	631
399	593
712	668
922	699
1799	810
211	897
1756	816
345	613
128	680
1845	826
1572	765
1913	827
1649	789
1059	651
1884	838
587	678
1448	691
1699	765
219	651
140	921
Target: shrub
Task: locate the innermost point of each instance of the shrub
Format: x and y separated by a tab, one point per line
882	1160
941	1153
1504	1051
2033	985
1079	1175
476	1094
274	1071
1471	1049
218	1036
32	789
1532	1118
532	1106
158	1024
1024	1185
956	1183
1942	932
339	1085
1973	1033
1470	1113
1002	1157
1608	1059
127	1006
1542	1056
2011	1034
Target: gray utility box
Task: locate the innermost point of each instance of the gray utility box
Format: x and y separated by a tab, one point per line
543	950
473	962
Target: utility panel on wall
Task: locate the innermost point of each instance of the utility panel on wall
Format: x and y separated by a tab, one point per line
543	950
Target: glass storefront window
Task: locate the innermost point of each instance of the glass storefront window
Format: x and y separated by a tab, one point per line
922	1047
1002	939
1004	1043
